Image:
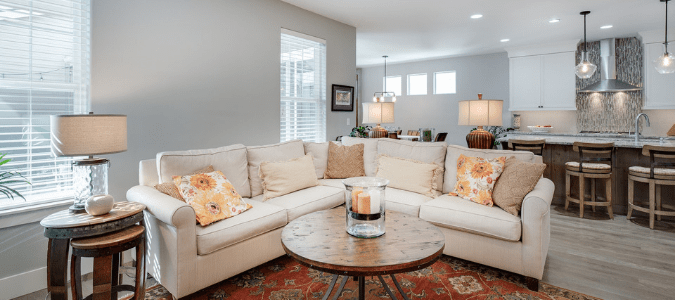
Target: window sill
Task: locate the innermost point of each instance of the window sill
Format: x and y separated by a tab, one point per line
31	214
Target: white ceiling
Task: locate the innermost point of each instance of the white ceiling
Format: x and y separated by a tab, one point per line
409	30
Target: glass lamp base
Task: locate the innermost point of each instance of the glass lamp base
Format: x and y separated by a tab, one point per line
77	208
90	177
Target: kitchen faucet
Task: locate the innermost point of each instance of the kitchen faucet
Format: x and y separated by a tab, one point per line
637	131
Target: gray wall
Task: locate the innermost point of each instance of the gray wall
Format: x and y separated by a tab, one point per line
487	74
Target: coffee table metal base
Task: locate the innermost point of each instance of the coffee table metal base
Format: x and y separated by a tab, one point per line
362	287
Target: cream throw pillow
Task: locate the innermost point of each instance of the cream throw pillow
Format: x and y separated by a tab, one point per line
518	179
281	178
409	175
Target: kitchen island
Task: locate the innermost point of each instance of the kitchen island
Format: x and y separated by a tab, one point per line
627	153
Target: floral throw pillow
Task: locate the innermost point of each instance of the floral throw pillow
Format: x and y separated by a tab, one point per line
211	195
476	177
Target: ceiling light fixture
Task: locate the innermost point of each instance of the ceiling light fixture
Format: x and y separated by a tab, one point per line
504	40
606	27
554	21
380	96
665	64
585	69
477	16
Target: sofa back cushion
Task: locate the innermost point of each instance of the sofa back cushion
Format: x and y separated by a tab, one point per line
270	153
320	153
454	151
231	160
285	177
369	152
432	153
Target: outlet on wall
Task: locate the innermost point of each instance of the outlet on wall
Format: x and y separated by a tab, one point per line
349	121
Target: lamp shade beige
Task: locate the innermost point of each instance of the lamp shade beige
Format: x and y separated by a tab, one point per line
80	135
480	112
378	113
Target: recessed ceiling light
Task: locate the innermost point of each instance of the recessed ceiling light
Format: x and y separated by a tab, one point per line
477	16
5	7
554	21
504	40
28	12
607	27
12	15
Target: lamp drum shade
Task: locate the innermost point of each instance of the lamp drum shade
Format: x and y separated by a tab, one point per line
480	112
378	113
82	135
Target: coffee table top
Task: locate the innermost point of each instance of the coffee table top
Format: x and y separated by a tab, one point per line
319	240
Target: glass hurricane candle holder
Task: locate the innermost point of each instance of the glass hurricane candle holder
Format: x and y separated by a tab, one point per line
365	206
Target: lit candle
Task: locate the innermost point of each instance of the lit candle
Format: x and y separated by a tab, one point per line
364	203
375	198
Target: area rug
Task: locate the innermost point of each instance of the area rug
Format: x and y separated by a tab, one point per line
449	278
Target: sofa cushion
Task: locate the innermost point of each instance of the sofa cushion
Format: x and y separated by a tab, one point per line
261	218
281	178
459	214
271	153
230	160
309	200
345	161
170	188
404	201
320	153
369	152
336	183
424	152
410	175
454	151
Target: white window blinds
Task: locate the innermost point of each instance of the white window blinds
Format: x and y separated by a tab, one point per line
303	87
44	70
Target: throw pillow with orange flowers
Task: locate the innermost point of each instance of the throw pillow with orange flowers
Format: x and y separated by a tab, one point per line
476	177
211	195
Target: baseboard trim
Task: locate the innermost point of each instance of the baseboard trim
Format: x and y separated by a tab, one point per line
24	283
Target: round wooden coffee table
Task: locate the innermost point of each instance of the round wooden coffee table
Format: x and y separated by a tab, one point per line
319	241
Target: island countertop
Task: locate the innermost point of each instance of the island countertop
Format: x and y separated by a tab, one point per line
619	140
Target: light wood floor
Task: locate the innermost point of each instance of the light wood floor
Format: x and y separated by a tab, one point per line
611	259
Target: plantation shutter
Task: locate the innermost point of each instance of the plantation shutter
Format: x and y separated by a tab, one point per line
303	87
44	70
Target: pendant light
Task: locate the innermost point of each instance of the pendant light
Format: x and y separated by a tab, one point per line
665	64
585	69
380	96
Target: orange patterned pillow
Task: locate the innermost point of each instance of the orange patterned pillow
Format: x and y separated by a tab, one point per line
476	177
211	195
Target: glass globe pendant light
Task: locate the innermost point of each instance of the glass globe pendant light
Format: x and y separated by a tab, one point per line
665	64
585	69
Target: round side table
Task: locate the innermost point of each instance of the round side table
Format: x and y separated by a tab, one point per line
63	226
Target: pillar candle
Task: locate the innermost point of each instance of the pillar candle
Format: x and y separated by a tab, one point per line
375	198
364	203
355	199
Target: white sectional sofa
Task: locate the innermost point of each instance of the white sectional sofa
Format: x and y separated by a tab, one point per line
185	257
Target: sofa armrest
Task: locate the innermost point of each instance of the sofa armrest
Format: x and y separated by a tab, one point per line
164	207
536	221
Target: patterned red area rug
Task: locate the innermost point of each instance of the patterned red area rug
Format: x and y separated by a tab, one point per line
449	278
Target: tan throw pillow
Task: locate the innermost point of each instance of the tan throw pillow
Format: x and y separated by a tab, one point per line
281	178
170	188
410	175
345	161
518	179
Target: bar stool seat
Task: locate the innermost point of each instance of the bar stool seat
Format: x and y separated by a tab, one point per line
655	177
659	173
106	250
589	167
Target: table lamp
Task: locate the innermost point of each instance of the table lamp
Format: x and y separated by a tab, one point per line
378	113
88	135
480	113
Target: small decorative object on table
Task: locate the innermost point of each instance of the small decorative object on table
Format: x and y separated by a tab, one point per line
427	134
365	206
516	121
99	205
343	98
360	131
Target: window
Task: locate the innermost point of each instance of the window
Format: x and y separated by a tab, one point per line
445	82
44	70
303	87
417	84
393	84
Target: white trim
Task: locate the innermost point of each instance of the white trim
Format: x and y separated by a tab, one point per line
303	36
24	283
559	47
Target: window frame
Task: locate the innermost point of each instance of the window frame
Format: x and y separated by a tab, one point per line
400	79
436	82
426	84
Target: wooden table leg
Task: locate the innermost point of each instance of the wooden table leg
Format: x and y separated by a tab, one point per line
57	268
362	288
115	274
102	278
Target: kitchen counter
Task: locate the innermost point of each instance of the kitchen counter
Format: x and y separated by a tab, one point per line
620	140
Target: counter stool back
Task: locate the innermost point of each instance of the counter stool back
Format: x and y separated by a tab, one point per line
595	162
534	146
656	176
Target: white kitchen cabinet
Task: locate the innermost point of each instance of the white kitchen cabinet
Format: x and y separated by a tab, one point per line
659	88
542	82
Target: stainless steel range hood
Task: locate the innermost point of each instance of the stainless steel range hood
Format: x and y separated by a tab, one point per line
608	81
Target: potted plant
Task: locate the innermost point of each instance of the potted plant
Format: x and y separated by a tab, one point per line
10	177
360	131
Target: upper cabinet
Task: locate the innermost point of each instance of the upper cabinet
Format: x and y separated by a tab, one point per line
659	89
542	78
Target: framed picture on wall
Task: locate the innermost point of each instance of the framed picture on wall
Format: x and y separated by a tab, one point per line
343	98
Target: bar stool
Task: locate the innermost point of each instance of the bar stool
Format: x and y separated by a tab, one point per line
593	165
655	177
534	146
106	250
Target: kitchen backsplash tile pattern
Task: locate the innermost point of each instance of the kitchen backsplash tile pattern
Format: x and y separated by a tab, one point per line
612	112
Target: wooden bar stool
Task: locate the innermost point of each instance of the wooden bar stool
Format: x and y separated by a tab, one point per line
655	177
595	163
534	146
106	250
